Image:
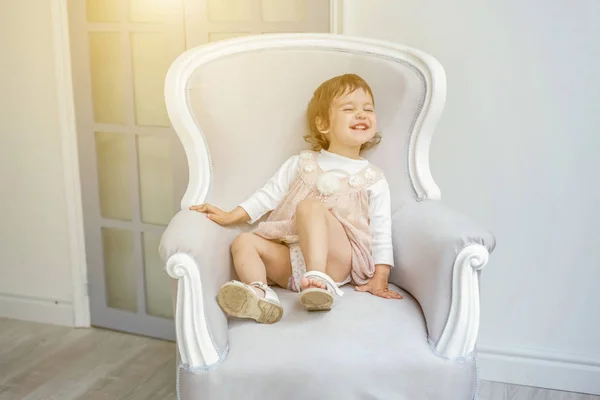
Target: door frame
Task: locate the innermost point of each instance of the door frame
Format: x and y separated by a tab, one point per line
335	16
70	157
70	153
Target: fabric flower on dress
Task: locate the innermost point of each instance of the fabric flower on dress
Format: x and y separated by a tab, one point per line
328	183
309	168
356	180
369	174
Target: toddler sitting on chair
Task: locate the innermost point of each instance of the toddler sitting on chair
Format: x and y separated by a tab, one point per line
330	222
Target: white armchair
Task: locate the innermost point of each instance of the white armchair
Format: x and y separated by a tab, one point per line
238	107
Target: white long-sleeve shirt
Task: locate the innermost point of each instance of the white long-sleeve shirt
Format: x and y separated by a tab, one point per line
270	195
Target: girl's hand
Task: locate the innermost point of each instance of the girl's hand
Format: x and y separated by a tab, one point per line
215	214
221	217
378	286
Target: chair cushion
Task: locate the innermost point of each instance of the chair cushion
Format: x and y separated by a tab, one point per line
365	348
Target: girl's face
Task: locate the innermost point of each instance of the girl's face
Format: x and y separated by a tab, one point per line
352	120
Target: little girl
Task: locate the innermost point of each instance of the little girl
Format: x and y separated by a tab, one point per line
330	222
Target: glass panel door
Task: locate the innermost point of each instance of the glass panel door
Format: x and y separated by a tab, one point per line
133	167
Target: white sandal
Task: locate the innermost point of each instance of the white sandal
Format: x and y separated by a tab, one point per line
317	299
240	300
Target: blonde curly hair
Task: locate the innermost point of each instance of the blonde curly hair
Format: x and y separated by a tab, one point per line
319	107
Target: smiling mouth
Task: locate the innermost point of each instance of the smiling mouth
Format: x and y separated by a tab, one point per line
360	127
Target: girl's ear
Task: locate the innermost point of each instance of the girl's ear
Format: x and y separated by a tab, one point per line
321	125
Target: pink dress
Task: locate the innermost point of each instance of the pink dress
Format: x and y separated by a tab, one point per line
347	200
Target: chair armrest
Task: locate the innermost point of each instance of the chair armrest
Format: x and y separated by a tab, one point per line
196	252
438	256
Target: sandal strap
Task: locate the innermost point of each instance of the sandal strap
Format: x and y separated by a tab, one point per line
260	285
327	279
269	292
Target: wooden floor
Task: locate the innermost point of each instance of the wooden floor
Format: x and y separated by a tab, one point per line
56	363
49	362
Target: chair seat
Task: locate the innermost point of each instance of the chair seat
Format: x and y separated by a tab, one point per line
365	348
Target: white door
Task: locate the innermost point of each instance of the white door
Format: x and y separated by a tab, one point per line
133	168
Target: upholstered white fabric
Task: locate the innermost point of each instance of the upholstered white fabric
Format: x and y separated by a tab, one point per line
207	244
349	353
251	109
428	237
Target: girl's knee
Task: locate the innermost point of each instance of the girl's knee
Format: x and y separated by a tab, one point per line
242	242
309	207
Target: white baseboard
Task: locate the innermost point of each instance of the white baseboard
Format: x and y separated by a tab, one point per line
45	311
540	369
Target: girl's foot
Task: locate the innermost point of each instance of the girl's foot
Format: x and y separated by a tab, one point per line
244	301
316	291
307	283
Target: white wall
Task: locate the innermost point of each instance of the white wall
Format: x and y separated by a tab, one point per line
35	266
517	148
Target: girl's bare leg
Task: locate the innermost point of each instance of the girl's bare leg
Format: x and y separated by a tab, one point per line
324	243
256	258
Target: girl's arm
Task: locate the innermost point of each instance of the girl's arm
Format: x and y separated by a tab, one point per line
381	232
262	201
380	213
270	195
